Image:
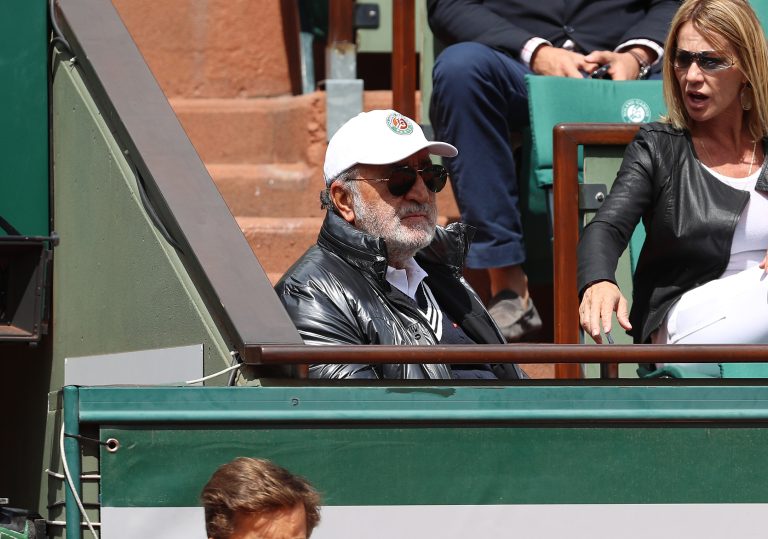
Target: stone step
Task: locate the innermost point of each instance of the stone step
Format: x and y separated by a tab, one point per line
279	241
202	48
269	190
286	190
284	129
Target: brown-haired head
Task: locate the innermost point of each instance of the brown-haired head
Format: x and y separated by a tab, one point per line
254	486
724	23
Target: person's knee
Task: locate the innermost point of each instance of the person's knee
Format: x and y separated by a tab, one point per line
464	62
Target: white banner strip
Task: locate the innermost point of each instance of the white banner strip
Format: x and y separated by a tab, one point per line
155	522
641	521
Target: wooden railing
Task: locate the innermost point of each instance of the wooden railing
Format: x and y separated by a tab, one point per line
571	355
567	139
403	58
518	353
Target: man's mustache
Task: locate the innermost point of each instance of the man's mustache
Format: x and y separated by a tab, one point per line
415	209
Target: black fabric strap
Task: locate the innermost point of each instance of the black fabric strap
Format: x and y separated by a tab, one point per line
8	227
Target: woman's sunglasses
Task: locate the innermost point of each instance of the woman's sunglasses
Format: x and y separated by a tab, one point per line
706	60
402	179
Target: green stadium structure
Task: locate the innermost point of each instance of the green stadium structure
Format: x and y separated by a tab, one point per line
152	268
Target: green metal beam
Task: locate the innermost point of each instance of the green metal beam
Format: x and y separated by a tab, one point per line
436	404
456	464
72	455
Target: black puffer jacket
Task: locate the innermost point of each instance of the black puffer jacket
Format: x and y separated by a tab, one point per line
689	217
337	293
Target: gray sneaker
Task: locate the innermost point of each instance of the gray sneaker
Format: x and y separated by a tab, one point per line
514	321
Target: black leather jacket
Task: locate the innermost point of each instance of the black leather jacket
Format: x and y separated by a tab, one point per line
337	293
689	217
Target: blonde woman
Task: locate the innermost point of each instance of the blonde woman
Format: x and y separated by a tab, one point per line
699	183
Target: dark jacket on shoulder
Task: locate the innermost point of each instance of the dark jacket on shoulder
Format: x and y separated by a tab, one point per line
506	25
689	217
337	293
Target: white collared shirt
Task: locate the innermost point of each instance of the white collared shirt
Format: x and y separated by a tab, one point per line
408	279
535	42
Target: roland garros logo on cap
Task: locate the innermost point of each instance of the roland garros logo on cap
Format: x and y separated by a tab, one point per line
400	125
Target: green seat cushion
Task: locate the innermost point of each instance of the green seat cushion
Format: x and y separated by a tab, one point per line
671	371
744	370
727	370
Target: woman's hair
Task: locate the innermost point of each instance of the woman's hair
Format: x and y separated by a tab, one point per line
723	23
248	485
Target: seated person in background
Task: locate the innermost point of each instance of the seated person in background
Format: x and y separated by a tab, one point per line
700	185
382	272
251	498
479	98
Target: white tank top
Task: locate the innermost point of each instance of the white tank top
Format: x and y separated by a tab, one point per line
750	239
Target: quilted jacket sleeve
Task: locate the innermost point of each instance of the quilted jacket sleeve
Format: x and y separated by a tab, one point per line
322	316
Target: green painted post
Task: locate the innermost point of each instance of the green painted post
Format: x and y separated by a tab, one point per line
72	454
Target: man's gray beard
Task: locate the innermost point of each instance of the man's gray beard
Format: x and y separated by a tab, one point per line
402	242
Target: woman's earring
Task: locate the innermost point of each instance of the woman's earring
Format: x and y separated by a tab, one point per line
746	97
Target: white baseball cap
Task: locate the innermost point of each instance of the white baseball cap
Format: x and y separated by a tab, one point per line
378	137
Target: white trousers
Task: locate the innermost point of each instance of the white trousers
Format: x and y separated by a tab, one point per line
730	310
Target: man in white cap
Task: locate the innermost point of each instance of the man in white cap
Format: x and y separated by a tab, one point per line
382	271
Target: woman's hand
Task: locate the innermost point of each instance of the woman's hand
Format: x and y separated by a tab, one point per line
599	302
764	263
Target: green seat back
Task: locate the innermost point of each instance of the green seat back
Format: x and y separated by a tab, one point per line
601	163
554	100
761	9
635	244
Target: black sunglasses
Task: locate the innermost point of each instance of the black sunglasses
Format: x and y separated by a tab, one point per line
706	60
402	179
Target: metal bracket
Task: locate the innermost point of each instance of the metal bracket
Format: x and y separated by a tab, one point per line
344	100
366	16
591	196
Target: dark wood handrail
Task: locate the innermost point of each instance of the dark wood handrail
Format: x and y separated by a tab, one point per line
571	354
289	11
340	22
404	58
567	139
